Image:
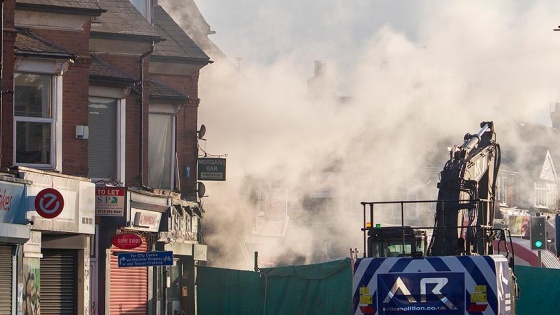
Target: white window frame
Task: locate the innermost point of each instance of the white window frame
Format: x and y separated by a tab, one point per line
120	96
148	7
169	111
35	67
545	194
501	191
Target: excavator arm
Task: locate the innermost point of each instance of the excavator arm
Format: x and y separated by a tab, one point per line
466	197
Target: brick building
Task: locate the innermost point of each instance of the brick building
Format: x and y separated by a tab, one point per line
99	144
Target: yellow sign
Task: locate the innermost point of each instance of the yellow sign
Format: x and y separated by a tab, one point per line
364	290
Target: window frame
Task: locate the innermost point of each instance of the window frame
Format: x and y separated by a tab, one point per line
545	194
54	121
147	6
501	191
165	110
119	137
120	96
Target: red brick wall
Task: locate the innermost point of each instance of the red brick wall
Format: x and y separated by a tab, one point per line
75	112
187	127
75	98
131	65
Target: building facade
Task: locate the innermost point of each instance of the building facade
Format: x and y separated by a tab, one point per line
99	144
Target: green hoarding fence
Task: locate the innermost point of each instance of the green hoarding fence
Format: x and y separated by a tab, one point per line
539	291
324	289
320	289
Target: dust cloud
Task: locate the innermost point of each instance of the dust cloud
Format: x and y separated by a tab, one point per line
306	142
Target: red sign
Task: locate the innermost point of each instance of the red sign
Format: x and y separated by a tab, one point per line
49	203
126	241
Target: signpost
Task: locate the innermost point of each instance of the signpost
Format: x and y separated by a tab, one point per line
49	203
145	259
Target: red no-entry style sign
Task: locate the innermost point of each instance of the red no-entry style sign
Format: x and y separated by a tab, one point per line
49	203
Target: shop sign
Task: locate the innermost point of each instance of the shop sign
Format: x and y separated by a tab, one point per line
200	252
77	194
110	201
126	241
49	203
144	220
212	169
12	206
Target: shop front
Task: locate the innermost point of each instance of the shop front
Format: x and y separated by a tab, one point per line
129	222
56	256
14	231
175	288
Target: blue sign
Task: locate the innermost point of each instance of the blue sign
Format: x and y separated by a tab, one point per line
146	259
421	293
13	204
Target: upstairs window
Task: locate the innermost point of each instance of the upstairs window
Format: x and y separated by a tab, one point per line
35	112
102	151
501	191
161	152
545	194
144	6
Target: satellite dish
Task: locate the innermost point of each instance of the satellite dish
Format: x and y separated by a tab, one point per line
200	189
201	132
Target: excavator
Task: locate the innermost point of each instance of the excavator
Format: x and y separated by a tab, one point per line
450	267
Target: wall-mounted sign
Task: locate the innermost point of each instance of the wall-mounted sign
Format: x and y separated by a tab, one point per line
49	203
109	201
212	169
126	241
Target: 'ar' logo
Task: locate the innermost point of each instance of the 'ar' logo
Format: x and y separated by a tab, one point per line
438	283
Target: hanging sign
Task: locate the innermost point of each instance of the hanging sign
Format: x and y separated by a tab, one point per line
212	169
126	241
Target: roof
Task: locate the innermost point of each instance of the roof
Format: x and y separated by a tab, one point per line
526	160
177	44
161	91
122	19
30	44
188	16
101	71
86	7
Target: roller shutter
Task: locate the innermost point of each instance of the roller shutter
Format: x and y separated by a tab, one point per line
5	280
58	282
129	286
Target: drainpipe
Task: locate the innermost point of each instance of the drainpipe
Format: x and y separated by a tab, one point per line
141	149
1	74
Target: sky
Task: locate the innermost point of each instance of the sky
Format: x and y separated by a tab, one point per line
416	74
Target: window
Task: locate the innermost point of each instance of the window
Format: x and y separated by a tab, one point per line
102	143
161	152
545	194
501	190
35	116
144	7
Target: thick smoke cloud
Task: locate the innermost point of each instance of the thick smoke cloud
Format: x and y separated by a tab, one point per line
416	76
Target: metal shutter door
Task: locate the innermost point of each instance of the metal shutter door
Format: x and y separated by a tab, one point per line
5	280
58	282
129	286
